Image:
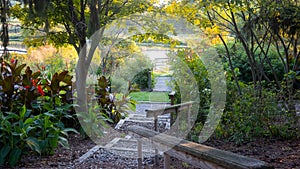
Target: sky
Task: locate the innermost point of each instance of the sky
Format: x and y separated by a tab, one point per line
163	1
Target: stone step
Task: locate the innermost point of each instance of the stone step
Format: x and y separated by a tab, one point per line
128	147
138	118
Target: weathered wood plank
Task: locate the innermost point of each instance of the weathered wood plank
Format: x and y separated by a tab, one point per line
167	161
205	153
203	164
168	109
140	154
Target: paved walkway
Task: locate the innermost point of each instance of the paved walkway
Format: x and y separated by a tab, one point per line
141	107
158	57
163	84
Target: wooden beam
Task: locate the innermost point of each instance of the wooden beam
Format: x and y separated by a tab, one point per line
140	154
167	161
168	109
202	152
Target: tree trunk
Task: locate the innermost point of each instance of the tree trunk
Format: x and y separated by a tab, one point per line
83	64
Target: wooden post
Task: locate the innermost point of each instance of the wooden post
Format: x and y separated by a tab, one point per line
155	123
189	121
149	80
167	161
156	157
172	97
140	154
156	129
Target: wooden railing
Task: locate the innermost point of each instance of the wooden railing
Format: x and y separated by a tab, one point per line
198	155
173	110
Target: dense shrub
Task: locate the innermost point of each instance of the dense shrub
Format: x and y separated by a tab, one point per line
33	108
246	116
241	65
198	70
135	70
143	79
112	106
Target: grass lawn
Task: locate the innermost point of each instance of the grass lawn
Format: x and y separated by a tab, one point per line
150	96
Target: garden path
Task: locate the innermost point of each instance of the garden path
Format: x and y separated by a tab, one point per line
162	85
127	145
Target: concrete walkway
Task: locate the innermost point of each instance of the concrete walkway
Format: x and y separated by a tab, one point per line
142	106
163	84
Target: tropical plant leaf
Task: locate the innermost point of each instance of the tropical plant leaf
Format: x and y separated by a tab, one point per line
3	153
14	156
23	112
33	144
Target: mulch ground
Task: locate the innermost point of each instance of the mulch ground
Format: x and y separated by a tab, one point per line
281	154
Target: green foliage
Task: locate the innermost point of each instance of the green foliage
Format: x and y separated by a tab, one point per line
241	65
197	69
111	107
92	122
36	16
142	79
23	132
135	70
119	85
34	110
156	38
282	17
247	116
56	63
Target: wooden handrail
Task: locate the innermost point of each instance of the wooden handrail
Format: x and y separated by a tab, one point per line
197	154
173	109
168	109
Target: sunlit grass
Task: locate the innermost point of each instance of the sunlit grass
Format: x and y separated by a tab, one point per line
150	96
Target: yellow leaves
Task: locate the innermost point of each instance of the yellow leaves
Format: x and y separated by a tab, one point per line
170	8
150	9
212	30
174	8
142	6
197	22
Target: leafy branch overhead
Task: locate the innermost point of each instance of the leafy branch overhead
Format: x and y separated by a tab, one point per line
77	19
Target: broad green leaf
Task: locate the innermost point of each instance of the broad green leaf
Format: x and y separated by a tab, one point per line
33	144
62	92
3	153
14	156
29	129
70	130
11	116
23	112
36	75
53	141
49	114
64	142
29	121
